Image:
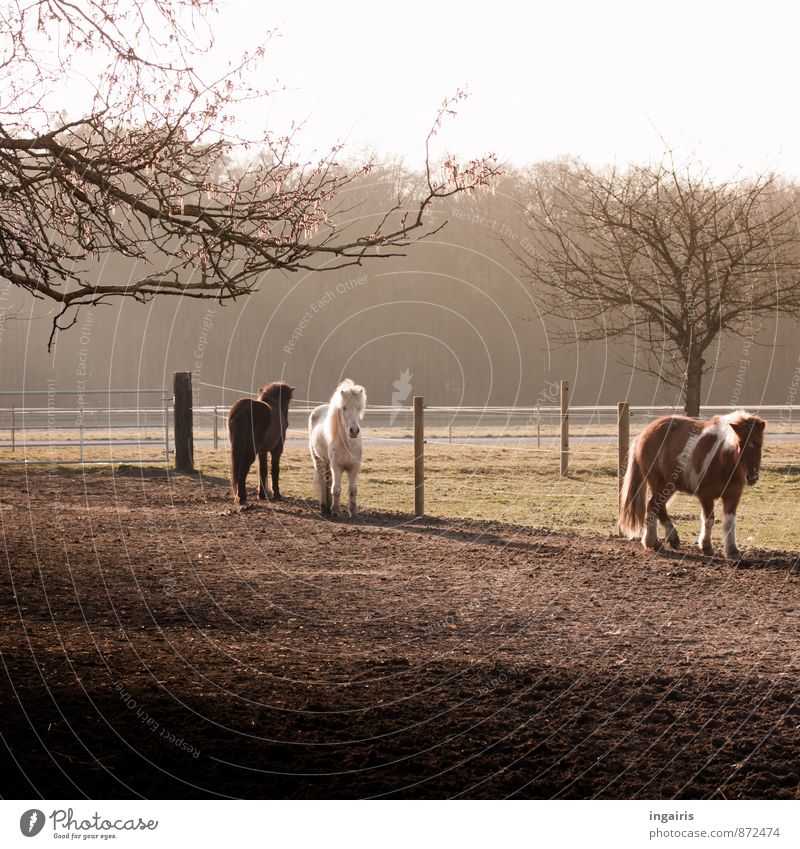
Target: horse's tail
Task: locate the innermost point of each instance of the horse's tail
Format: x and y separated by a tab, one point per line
633	497
234	444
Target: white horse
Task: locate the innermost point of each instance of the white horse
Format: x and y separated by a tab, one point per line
334	438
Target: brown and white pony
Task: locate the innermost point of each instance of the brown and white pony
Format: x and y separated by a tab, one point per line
256	427
711	460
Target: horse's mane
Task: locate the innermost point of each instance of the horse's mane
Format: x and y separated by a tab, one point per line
279	392
355	389
725	427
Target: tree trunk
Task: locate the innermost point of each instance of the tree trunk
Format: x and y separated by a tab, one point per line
694	382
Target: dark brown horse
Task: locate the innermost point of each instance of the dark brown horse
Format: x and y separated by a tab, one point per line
256	427
711	460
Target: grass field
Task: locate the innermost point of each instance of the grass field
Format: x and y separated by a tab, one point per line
522	486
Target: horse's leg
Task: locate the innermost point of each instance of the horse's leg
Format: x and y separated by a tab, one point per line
263	492
670	531
730	501
706	524
276	472
650	535
352	491
242	461
320	482
241	480
241	488
326	491
336	489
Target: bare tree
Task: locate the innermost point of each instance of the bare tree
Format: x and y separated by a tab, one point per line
154	171
662	257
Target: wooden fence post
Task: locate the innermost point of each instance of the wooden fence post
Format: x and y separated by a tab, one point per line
184	422
419	456
623	438
623	442
564	428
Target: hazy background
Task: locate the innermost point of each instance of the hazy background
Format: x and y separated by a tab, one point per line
609	83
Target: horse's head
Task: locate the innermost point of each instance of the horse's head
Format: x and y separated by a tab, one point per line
750	432
278	394
351	400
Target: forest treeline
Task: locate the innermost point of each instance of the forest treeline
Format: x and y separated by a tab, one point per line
465	312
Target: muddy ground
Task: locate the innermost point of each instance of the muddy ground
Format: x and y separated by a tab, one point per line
156	643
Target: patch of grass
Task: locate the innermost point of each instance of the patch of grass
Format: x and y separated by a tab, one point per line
519	486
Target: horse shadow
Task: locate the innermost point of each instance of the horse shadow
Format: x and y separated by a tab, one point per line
530	538
475	531
757	559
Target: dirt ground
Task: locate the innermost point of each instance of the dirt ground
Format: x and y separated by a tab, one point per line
156	643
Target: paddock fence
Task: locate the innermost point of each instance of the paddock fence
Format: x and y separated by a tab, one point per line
145	426
539	427
84	426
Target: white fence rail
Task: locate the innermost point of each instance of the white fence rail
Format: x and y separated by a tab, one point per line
139	419
540	423
85	419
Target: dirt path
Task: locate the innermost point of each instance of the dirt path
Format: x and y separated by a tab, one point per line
156	644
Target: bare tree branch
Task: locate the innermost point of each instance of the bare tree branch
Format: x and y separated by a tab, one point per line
154	173
662	257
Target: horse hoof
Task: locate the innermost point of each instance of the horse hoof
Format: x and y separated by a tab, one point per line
262	496
735	555
674	542
707	550
276	496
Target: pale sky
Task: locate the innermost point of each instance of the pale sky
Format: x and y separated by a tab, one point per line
606	81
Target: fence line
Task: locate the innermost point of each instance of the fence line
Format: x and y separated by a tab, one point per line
469	421
83	419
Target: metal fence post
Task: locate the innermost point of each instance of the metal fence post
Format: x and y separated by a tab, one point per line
216	430
419	456
13	429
